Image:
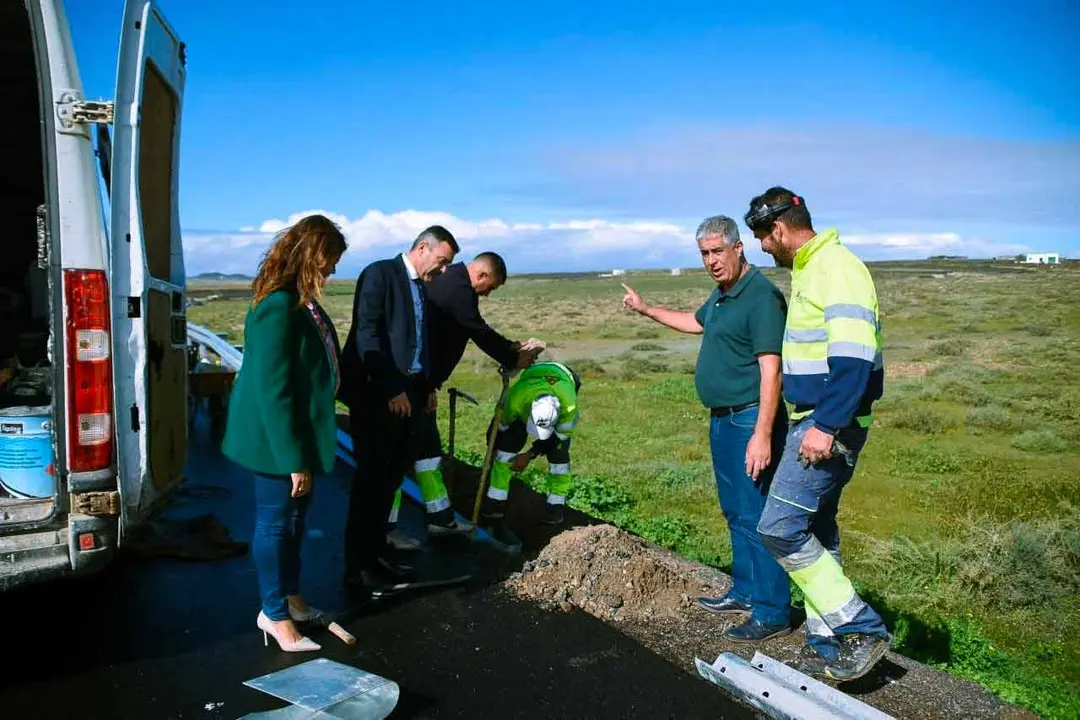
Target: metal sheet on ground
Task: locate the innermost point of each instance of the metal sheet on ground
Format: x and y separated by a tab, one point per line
321	684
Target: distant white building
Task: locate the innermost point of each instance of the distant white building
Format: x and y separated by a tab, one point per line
676	271
617	272
1047	258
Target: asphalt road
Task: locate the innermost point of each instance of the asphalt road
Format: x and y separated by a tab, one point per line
168	638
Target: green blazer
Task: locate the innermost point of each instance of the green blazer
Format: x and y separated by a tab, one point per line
282	408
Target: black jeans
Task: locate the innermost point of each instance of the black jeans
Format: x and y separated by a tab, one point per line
385	447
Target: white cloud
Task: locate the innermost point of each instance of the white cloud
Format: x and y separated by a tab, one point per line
563	245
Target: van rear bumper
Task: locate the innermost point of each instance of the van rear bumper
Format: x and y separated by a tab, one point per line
32	557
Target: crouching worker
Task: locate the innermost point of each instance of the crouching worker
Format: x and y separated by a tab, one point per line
541	404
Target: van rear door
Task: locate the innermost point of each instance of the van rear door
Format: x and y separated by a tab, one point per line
147	262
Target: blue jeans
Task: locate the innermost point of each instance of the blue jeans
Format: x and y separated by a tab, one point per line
757	579
798	526
279	530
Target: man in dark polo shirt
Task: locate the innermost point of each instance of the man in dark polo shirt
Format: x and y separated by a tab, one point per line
738	379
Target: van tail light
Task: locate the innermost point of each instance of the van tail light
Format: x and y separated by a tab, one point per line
90	382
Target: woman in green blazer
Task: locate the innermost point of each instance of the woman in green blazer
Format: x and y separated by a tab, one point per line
281	422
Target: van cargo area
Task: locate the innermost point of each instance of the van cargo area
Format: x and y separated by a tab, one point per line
27	440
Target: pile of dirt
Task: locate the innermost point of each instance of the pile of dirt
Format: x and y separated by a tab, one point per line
610	574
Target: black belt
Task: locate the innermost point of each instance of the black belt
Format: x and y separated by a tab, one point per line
722	411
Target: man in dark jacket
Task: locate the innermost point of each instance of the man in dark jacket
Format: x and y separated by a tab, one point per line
386	369
454	319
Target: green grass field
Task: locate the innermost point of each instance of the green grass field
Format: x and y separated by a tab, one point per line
963	521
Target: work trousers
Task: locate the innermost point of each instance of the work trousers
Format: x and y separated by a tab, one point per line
757	579
798	526
384	446
509	442
427	471
275	546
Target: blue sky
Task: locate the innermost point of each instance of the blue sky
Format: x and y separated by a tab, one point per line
597	135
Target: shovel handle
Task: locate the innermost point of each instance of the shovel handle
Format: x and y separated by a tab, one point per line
481	487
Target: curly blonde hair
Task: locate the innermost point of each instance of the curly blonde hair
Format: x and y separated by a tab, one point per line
300	256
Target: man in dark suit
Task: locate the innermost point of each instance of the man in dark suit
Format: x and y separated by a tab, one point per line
386	369
454	319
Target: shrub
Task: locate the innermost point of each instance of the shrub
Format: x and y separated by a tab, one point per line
994	417
953	347
647	347
599	496
921	419
648	333
1038	441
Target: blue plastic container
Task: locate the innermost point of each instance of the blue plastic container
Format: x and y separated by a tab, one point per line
26	452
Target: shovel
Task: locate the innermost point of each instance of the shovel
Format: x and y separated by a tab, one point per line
489	458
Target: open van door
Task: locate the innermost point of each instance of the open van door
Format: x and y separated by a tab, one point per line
147	262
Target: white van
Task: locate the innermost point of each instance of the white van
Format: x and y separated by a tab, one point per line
93	361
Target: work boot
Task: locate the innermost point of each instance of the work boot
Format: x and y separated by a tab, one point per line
492	511
858	654
753	631
553	514
810	662
724	605
400	540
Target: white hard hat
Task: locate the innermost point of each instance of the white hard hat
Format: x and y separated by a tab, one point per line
542	418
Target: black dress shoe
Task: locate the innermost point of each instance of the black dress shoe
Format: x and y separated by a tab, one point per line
395	567
723	605
754	631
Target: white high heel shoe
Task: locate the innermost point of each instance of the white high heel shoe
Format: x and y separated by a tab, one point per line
304	644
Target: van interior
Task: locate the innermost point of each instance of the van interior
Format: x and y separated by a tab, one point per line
25	374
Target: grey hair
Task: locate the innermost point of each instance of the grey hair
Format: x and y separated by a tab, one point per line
720	225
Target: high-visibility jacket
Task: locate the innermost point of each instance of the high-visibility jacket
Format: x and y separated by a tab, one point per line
543	378
832	354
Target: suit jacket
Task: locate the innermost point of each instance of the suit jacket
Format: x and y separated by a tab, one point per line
455	319
282	407
379	349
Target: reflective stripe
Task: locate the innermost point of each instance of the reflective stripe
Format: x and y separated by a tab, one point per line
561	436
847	612
815	625
806	336
503	427
393	515
497	493
427	465
559	468
803	557
434	506
825	585
556	499
793	504
850	310
568	425
806	367
853	350
503	456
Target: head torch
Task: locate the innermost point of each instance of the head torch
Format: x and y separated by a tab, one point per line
761	216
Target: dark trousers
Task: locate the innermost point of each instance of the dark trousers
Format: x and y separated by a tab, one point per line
385	446
275	547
